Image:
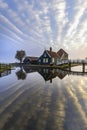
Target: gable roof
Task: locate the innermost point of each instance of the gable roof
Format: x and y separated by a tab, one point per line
61	52
52	54
31	58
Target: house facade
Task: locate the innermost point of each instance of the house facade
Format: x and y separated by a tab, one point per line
62	54
48	57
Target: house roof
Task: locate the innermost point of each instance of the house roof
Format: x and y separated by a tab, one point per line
61	52
52	54
31	58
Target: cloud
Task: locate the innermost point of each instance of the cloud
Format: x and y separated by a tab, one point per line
41	24
74	25
3	5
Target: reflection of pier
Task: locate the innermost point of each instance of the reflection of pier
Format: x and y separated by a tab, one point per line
76	73
77	62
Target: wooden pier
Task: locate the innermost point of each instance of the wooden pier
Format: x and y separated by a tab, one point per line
83	63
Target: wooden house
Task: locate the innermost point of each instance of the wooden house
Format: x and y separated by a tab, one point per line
62	54
48	57
30	60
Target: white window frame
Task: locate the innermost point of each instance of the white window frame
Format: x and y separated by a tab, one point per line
53	60
46	60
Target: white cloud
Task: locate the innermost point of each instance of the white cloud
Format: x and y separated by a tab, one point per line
45	24
3	5
75	36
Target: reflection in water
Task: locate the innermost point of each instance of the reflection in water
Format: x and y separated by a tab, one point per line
5	73
46	73
31	104
21	74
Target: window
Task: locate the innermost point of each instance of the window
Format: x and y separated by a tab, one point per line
46	60
39	60
52	59
43	60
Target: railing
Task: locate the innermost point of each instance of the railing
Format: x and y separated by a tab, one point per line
78	61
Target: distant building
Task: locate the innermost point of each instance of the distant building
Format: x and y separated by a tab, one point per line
30	60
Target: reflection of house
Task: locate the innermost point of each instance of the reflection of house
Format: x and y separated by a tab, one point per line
62	54
61	75
30	60
46	73
28	69
49	74
48	57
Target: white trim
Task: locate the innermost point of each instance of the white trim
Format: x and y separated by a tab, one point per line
48	54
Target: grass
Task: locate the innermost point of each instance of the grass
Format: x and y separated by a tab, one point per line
53	66
4	67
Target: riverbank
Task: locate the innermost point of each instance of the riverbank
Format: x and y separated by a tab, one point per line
4	67
64	66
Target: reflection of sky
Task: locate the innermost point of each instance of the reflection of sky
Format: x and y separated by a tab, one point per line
63	101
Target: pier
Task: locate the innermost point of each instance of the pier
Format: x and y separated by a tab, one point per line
83	63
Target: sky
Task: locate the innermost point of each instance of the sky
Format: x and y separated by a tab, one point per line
36	25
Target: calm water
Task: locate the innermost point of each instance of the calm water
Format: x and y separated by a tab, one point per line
43	99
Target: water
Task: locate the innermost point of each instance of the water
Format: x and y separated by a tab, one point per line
43	99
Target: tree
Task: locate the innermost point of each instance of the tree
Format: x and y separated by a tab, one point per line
20	55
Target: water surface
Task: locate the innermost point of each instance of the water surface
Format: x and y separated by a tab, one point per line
43	99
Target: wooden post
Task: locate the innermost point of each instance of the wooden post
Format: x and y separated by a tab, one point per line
83	67
70	65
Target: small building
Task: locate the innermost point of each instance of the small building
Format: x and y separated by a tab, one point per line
48	57
30	60
62	54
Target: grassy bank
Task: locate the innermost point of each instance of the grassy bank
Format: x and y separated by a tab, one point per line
64	66
48	66
4	67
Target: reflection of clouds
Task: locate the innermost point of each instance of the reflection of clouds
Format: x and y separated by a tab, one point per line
33	104
77	113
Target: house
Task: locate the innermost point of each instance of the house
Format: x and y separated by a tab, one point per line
30	60
48	57
62	54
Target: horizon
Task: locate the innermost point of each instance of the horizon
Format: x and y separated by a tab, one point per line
34	26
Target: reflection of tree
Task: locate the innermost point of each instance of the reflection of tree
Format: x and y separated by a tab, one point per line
21	74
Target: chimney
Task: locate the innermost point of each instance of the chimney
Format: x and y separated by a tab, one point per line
50	49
